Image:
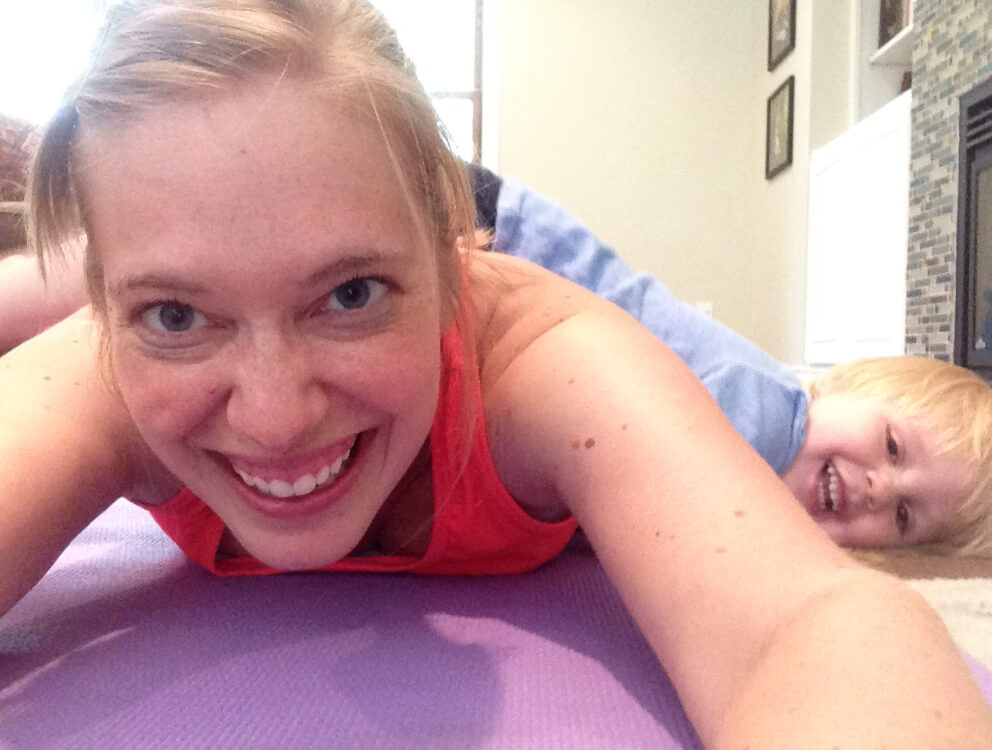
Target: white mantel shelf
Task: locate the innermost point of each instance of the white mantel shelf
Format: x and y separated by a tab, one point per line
897	51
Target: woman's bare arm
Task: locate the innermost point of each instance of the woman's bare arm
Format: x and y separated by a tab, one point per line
28	304
65	443
773	637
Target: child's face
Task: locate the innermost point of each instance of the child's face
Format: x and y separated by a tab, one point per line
274	318
872	478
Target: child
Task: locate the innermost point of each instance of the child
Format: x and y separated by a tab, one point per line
293	366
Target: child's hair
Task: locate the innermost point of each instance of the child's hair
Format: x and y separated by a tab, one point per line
152	53
955	406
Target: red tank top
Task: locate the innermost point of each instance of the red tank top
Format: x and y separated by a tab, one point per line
477	527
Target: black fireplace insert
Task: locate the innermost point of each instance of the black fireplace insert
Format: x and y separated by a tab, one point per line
973	301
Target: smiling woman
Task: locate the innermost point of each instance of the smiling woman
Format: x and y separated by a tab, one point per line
310	367
198	314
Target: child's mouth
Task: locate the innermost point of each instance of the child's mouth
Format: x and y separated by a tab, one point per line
828	489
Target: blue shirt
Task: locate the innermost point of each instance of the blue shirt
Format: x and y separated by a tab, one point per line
762	398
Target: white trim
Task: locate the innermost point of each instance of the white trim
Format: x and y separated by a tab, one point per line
491	10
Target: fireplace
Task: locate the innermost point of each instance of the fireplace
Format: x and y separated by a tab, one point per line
973	314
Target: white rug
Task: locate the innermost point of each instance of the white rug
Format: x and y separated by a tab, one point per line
965	605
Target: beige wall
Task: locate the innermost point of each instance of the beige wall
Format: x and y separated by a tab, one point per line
647	119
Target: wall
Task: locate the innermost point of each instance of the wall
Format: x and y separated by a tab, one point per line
646	119
952	53
833	55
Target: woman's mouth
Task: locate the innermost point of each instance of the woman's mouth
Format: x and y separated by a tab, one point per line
303	484
300	487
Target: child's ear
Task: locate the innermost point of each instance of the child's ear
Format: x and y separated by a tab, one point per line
814	391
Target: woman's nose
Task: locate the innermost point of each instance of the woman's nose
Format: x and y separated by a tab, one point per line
277	397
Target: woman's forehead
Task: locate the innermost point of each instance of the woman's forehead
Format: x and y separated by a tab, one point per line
240	168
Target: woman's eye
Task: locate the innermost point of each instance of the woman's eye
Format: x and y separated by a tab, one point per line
902	516
172	317
355	294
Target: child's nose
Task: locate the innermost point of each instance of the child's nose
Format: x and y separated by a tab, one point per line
277	398
879	494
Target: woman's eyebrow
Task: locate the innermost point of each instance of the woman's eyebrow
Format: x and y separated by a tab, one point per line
356	263
156	281
349	265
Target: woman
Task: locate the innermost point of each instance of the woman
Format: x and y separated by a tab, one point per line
296	361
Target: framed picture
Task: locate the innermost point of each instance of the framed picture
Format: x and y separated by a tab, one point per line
778	129
893	17
781	30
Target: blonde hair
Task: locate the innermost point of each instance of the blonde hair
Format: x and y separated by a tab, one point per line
955	406
152	53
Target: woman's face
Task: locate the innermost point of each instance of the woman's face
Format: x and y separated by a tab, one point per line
274	314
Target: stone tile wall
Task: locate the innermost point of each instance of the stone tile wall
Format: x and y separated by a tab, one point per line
952	54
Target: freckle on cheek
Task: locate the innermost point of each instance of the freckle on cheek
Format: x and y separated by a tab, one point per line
590	443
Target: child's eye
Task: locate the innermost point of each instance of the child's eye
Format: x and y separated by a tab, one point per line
891	446
172	317
355	294
902	517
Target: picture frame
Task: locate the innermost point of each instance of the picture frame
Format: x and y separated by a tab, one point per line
781	30
778	128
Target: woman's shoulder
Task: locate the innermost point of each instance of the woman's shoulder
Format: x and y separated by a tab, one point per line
513	303
61	407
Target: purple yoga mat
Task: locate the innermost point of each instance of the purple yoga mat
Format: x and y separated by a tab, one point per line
126	644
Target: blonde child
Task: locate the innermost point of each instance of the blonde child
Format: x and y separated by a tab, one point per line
292	364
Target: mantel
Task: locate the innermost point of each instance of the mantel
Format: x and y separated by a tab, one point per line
897	51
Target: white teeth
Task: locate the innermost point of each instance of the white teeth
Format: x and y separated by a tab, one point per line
301	486
305	485
828	490
280	488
